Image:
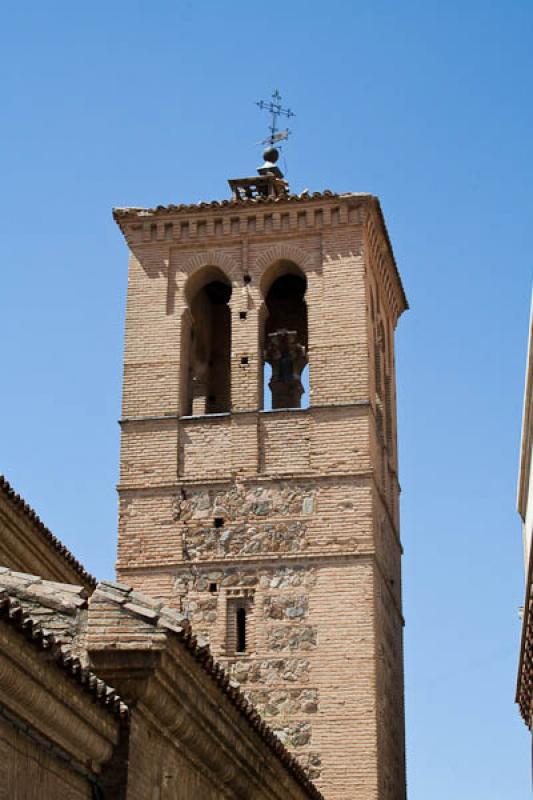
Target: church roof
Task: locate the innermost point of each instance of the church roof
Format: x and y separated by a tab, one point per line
28	611
20	506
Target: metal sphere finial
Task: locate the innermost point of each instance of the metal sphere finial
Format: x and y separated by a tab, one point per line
271	155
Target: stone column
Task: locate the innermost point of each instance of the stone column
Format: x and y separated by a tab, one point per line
287	358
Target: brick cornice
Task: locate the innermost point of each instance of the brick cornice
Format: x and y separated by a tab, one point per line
134	213
381	260
231	220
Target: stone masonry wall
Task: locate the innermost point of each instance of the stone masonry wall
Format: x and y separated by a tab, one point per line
256	518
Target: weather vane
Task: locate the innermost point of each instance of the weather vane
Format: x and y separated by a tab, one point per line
275	108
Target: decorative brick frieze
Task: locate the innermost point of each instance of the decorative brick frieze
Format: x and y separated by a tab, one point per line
344	210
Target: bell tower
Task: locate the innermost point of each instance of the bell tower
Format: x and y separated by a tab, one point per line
270	519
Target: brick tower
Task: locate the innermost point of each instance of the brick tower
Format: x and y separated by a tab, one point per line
273	522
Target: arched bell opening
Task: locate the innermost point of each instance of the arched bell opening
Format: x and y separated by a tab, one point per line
285	336
207	344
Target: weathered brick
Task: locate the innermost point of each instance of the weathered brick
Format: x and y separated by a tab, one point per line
291	515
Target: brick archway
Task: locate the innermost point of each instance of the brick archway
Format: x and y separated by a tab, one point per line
284	252
213	258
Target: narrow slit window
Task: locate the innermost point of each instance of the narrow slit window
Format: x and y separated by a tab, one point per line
241	630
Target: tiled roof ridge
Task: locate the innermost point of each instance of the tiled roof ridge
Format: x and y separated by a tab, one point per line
156	613
64	597
21	505
14	614
229	203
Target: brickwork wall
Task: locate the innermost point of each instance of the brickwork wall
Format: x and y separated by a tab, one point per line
296	511
391	735
55	736
29	771
329	717
158	769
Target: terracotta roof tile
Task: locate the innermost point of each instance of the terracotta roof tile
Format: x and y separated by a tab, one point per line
119	213
12	613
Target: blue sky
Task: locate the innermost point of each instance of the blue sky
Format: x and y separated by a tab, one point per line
426	104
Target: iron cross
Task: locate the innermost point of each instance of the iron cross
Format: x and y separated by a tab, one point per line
274	107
